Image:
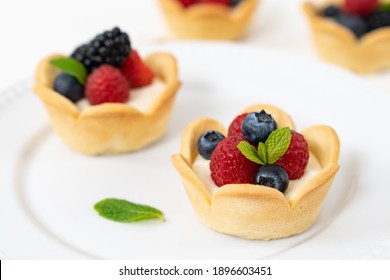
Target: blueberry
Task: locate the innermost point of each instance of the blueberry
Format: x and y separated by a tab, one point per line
273	176
234	3
355	23
207	143
331	11
257	126
69	87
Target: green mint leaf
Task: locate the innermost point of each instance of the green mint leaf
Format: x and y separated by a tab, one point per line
72	67
123	211
262	152
249	152
277	144
384	7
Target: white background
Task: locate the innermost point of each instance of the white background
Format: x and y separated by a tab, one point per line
30	30
281	270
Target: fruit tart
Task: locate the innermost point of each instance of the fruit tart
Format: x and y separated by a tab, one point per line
104	98
260	179
208	19
354	34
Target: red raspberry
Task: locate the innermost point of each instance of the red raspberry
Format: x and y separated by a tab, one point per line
235	126
187	3
229	166
295	160
360	7
137	73
106	84
221	2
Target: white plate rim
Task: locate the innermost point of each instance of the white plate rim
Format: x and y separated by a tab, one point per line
380	245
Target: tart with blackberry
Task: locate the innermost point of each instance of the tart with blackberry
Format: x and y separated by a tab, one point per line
104	98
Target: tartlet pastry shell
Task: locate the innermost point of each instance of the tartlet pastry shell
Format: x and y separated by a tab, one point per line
109	128
208	21
337	44
253	211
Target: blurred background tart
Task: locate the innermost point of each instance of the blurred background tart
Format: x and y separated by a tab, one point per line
354	34
208	19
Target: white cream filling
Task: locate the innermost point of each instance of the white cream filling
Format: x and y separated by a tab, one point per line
141	98
202	170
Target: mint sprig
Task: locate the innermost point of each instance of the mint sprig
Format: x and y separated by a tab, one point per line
269	152
262	152
72	67
249	152
124	211
277	144
384	7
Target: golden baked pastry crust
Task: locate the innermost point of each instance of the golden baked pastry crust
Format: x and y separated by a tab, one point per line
251	211
337	44
208	21
109	128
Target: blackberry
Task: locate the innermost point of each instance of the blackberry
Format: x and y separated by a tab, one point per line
110	47
378	19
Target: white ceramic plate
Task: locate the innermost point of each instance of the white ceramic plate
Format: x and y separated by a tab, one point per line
47	191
